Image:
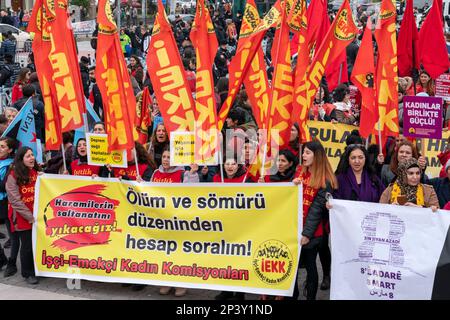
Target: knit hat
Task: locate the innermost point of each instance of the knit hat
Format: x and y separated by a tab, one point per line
447	165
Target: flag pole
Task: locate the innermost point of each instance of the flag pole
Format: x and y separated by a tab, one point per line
64	157
221	165
136	162
379	136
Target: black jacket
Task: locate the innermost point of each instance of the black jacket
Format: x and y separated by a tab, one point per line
85	79
442	188
317	214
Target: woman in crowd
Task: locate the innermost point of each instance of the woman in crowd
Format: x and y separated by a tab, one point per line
405	150
318	179
322	109
294	139
158	142
6	151
137	71
10	114
343	111
357	179
233	171
442	187
20	189
425	84
22	79
168	174
286	164
80	166
407	189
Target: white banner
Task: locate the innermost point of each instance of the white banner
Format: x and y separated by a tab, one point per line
83	27
389	252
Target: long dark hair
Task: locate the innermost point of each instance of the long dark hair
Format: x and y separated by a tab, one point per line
142	156
344	165
295	145
153	139
77	155
22	172
11	143
289	174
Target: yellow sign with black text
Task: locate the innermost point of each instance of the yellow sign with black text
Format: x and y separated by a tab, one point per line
98	154
210	236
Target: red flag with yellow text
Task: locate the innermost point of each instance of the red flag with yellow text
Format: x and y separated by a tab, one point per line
114	83
204	39
168	77
248	47
282	87
341	33
386	71
41	48
363	78
256	81
142	120
63	58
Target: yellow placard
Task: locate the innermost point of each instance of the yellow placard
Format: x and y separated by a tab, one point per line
211	236
98	155
182	148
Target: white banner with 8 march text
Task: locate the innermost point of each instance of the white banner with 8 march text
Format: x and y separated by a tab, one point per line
389	252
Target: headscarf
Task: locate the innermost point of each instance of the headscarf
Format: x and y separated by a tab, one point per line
402	179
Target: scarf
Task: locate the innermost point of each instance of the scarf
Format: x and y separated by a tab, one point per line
309	193
413	194
349	189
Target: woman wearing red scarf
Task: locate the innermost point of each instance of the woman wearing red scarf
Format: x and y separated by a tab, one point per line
20	189
318	179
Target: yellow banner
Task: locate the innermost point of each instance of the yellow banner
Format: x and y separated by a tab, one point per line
332	136
210	236
98	154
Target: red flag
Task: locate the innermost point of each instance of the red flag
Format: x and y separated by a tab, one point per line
114	83
362	77
245	53
341	33
142	120
66	70
256	81
168	77
279	117
408	37
41	49
205	43
432	45
386	73
336	71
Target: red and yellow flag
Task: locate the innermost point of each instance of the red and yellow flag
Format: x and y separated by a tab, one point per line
256	81
64	62
279	119
143	120
41	49
168	77
248	47
300	111
386	73
204	39
363	77
341	33
114	83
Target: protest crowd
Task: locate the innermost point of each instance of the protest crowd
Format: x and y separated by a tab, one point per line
380	163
